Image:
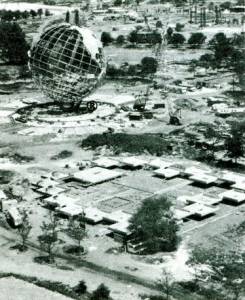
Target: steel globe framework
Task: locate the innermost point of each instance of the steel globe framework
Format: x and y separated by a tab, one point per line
67	63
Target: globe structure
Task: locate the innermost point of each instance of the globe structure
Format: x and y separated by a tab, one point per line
67	63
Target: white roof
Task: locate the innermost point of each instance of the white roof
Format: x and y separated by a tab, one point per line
167	173
105	162
200	209
180	214
203	178
205	199
2	195
96	175
121	227
159	163
232	177
239	185
70	210
94	214
195	171
133	161
60	200
118	216
47	183
234	196
54	190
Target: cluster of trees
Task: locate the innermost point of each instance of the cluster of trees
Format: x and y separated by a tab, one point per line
225	275
147	66
13	46
234	143
10	15
49	237
154	225
226	52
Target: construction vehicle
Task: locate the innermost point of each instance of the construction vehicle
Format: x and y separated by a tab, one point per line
141	99
174	114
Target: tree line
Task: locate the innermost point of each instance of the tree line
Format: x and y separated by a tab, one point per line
14	15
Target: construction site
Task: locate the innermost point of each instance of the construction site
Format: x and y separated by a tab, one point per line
122	153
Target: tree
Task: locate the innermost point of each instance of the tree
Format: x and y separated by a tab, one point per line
225	271
47	13
222	47
225	5
207	60
67	18
149	65
40	12
179	27
13	46
76	17
154	225
106	38
159	24
196	39
24	230
49	237
33	13
25	14
117	2
120	40
76	230
234	142
177	39
133	36
101	293
81	288
166	284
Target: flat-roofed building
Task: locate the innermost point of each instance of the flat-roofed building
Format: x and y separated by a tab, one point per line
93	215
240	186
194	170
200	210
159	164
233	196
167	173
105	162
96	175
203	179
70	210
133	162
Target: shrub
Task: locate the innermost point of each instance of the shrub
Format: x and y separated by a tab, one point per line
101	293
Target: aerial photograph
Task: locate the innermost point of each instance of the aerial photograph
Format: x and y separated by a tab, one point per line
122	149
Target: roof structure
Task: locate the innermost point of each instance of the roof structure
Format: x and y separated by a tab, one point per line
117	216
200	210
167	173
203	199
70	210
105	162
232	177
193	170
2	195
239	186
94	215
180	214
159	164
60	200
121	227
233	196
203	178
133	162
96	175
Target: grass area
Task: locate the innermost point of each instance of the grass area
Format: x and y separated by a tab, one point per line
131	143
53	286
